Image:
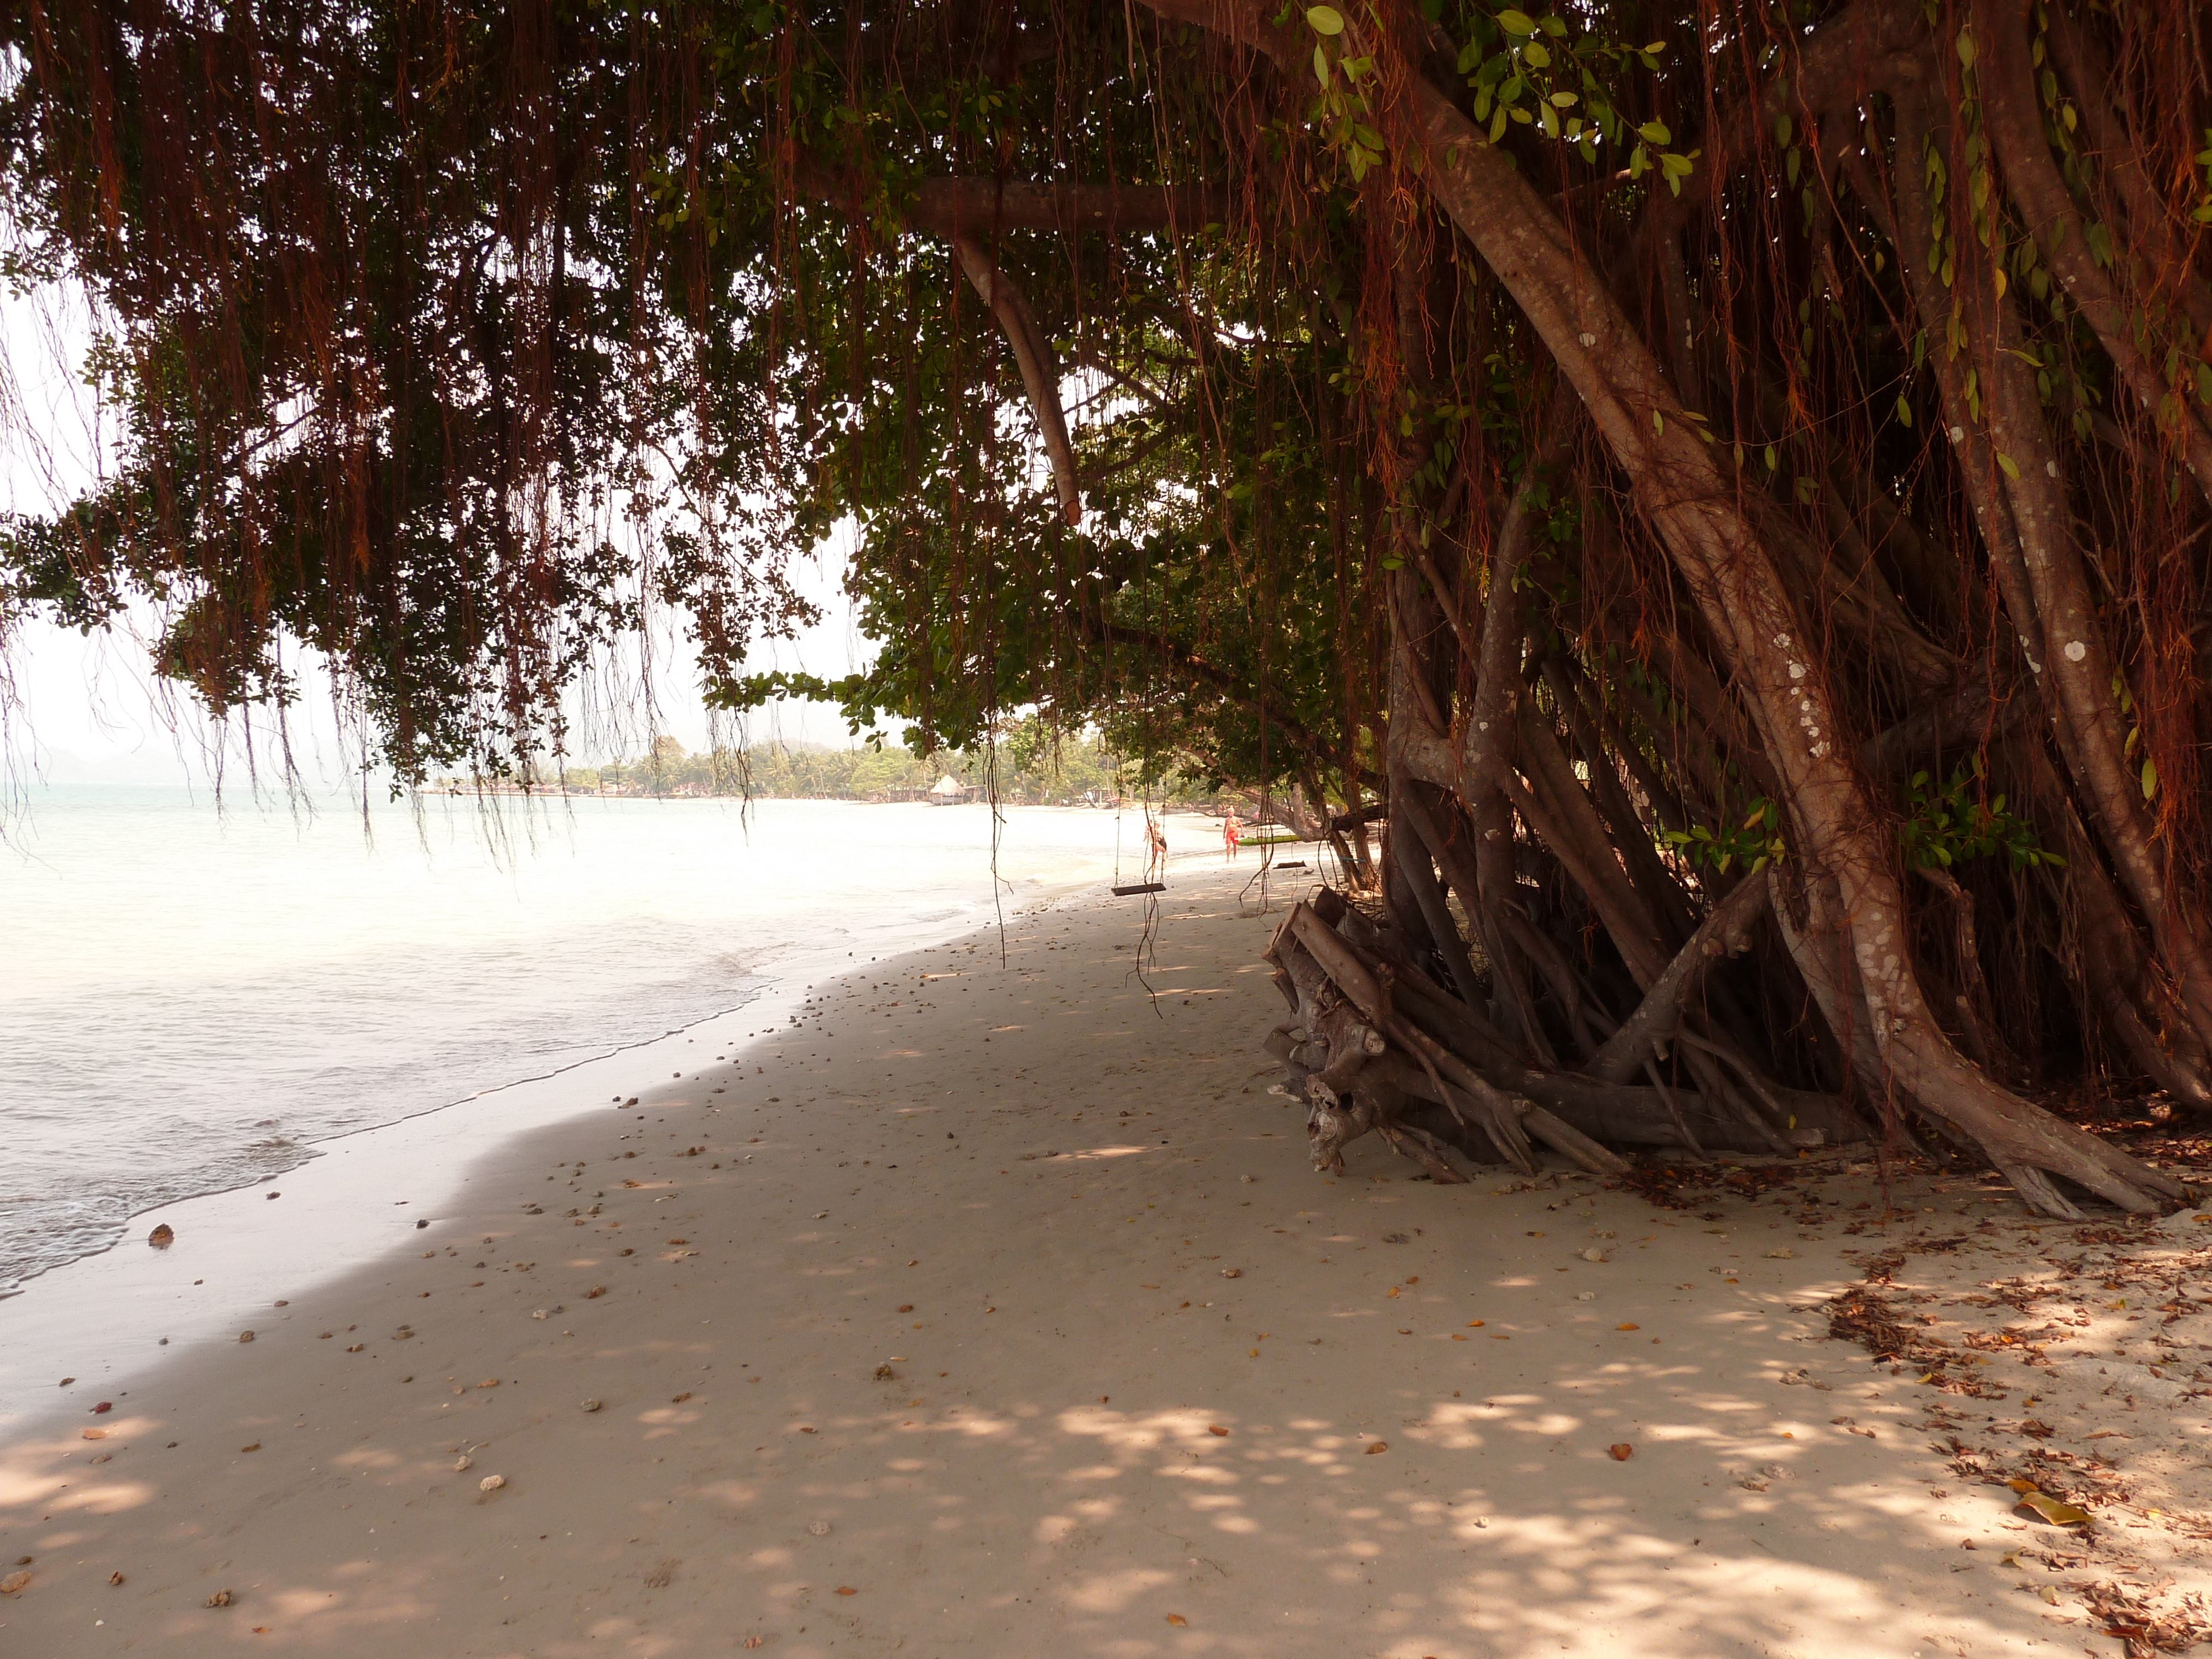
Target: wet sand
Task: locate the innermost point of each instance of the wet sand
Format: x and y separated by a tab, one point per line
997	1310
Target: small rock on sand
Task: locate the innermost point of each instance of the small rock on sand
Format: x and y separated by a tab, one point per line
15	1583
491	1483
161	1237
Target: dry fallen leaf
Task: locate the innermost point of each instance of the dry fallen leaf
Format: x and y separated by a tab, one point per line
1215	1428
1632	1325
1475	1324
94	1434
1238	1272
220	1599
13	1585
750	1642
1177	1618
114	1577
1622	1451
847	1590
2058	1513
1378	1446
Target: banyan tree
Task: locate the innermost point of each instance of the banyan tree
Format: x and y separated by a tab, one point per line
1727	483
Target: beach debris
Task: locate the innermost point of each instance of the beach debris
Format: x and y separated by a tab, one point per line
595	1293
463	1464
678	1399
115	1577
541	1313
1246	1180
272	1195
847	1590
661	1574
819	1529
1177	1620
220	1599
885	1374
592	1405
1593	1255
1216	1428
1784	1255
1232	1272
750	1642
162	1236
419	1226
65	1382
1377	1446
491	1483
355	1347
104	1405
1621	1451
245	1336
2055	1510
15	1583
94	1434
1630	1325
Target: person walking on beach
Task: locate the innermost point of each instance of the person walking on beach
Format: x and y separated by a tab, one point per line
1157	839
1230	832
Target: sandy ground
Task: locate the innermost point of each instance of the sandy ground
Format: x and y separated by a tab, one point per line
996	1311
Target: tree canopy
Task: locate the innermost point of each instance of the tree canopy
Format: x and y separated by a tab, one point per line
1731	479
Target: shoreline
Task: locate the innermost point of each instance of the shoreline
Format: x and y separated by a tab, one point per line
84	1223
106	1314
1013	1316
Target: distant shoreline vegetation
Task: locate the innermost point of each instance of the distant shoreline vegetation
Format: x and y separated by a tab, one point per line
1031	769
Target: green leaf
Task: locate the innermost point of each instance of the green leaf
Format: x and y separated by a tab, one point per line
2011	467
1320	67
1967	50
1537	55
1654	133
1903	412
1324	20
1516	23
2149	779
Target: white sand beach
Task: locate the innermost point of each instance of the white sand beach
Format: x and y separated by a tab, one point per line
994	1309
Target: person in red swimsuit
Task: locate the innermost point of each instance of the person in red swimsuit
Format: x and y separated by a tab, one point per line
1231	832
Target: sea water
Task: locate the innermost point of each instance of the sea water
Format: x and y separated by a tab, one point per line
190	998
